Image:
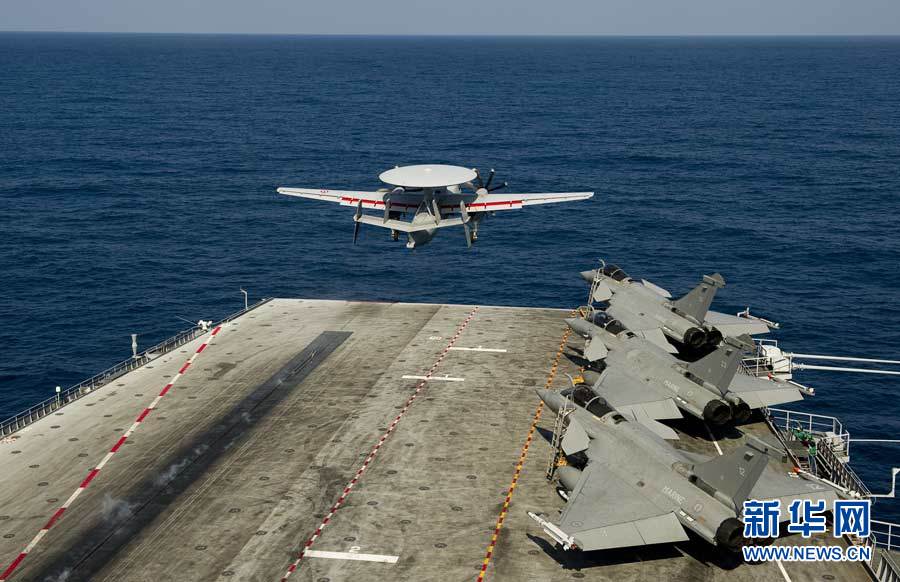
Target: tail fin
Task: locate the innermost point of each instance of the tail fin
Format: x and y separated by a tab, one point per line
735	474
719	367
697	301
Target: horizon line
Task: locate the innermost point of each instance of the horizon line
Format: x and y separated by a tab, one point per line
467	35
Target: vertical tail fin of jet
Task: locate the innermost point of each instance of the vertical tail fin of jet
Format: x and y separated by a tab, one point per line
697	301
735	474
719	367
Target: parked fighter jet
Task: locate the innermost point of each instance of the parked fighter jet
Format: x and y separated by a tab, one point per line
437	196
644	380
637	490
649	310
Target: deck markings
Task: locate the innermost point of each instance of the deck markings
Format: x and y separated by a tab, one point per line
481	349
92	474
783	571
434	378
423	382
352	556
712	437
522	456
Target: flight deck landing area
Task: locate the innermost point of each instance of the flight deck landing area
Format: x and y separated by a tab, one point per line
326	441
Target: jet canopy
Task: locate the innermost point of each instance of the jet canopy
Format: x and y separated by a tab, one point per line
583	396
614	272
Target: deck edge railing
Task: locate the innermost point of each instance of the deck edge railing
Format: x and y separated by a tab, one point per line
41	409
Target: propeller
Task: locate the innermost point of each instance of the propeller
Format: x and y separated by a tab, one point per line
387	201
465	220
356	218
485	187
437	211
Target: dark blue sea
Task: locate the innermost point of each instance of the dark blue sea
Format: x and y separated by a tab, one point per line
138	176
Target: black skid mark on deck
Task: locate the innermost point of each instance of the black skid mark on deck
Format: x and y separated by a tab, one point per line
102	542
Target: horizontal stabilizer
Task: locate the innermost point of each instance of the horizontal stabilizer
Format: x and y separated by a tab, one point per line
402	226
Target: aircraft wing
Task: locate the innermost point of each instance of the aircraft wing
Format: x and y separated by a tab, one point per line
733	325
629	395
655	335
606	512
370	200
494	202
628	317
772	485
760	392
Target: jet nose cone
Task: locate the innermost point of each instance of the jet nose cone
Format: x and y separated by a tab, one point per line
588	275
551	398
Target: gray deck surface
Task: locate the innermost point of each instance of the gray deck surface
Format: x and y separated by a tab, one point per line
243	458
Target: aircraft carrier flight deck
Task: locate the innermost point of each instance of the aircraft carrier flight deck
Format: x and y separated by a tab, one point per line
386	441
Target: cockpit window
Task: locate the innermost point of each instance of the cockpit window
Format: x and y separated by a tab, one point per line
615	272
614	326
587	398
581	395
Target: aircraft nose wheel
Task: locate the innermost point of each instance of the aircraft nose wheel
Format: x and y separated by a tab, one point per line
395	235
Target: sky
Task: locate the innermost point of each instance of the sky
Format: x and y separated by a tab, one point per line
505	17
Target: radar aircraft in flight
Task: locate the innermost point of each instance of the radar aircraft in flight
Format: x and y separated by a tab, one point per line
437	196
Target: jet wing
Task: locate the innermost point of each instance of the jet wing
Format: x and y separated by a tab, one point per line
494	202
760	392
606	512
628	317
772	485
370	200
656	336
733	325
629	395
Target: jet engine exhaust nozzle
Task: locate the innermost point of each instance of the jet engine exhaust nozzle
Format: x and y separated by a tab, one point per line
695	337
740	411
716	412
713	338
730	534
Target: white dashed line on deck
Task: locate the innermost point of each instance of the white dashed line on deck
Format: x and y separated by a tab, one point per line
434	378
481	349
352	556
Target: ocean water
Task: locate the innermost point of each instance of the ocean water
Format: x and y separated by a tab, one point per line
138	175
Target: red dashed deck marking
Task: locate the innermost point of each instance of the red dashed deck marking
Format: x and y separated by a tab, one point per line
371	457
96	470
522	456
